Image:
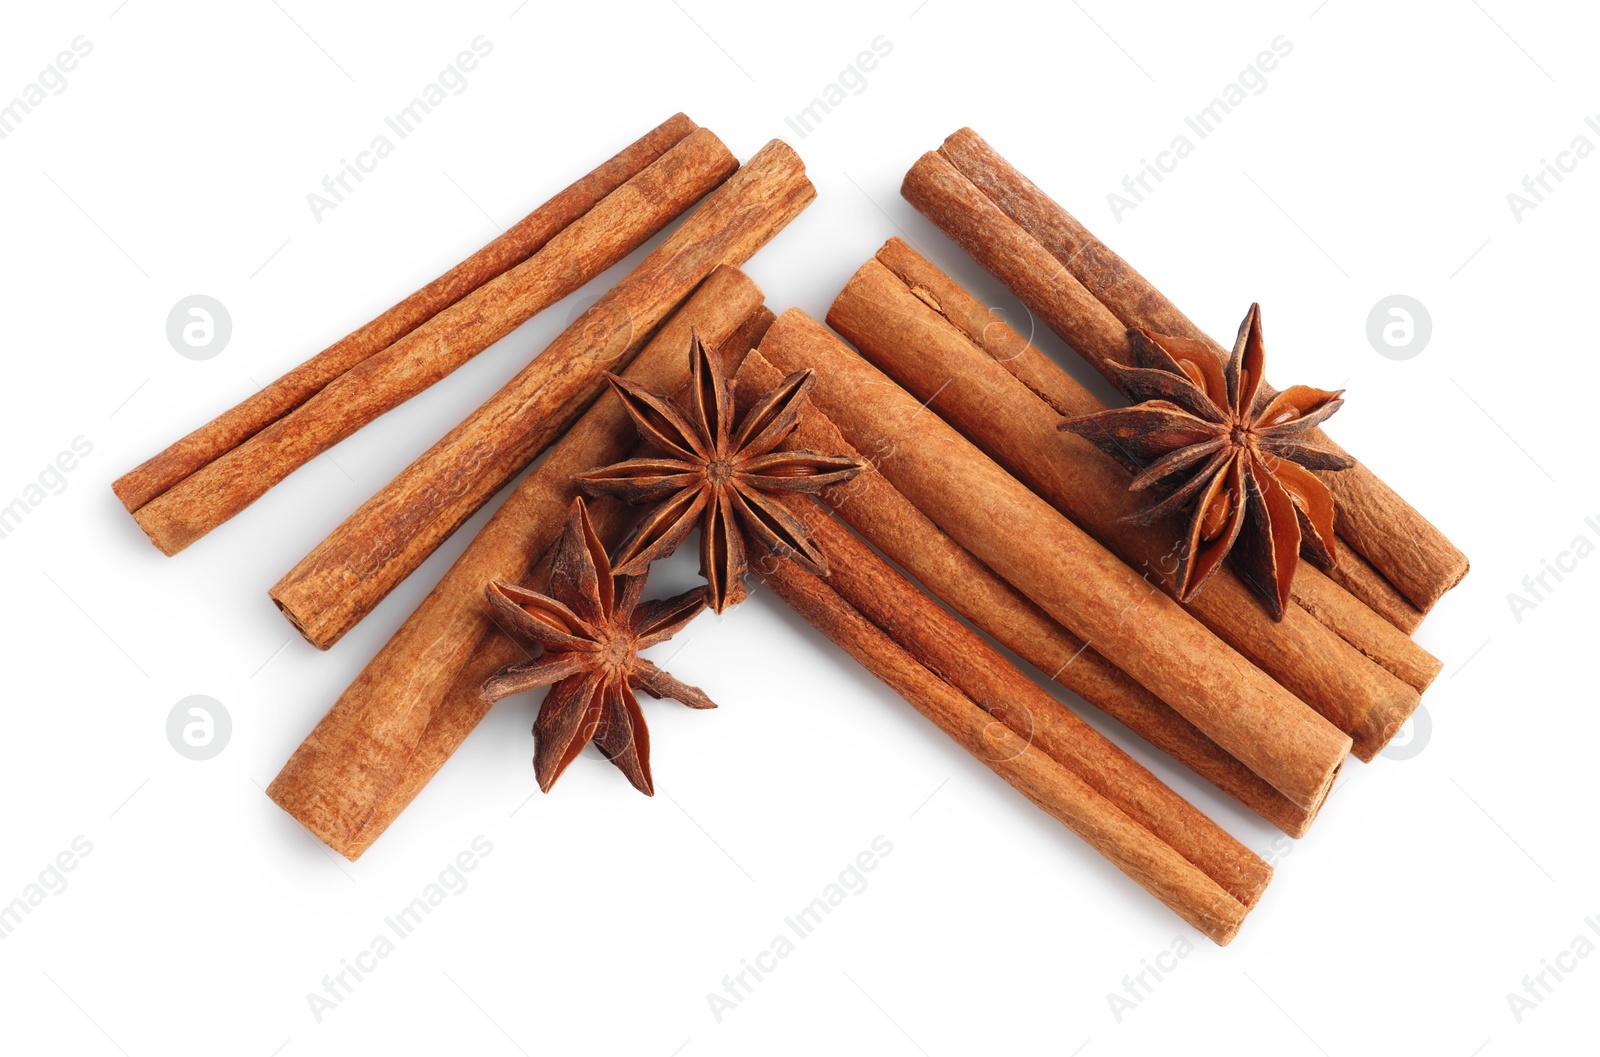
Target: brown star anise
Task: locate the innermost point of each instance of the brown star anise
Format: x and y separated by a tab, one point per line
709	472
591	631
1204	432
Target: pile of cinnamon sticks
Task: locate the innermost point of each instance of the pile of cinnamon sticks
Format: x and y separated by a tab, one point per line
975	506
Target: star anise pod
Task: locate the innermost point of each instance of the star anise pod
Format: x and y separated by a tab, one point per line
711	473
1206	433
591	628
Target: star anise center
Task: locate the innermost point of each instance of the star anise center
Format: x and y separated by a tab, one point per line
587	634
704	470
617	650
1205	437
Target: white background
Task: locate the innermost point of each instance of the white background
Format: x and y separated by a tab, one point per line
1377	160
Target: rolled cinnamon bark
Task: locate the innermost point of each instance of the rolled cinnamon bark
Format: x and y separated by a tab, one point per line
1356	577
418	699
1412	555
1067	573
1357	624
950	650
519	242
958	655
1133	849
936	361
617	225
887	520
379	545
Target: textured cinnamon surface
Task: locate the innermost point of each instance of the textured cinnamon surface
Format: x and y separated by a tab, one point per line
1133	849
1358	624
1356	575
1412	555
1050	291
961	657
903	323
600	238
519	242
419	698
379	545
887	520
1065	572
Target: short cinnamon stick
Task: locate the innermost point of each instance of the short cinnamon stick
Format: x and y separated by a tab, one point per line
1133	849
379	545
519	242
418	699
1404	547
1069	575
917	345
887	520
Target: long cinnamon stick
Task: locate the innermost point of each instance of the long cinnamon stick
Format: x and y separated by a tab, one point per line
618	224
949	649
887	520
1044	284
1133	849
1403	546
958	655
1368	631
379	545
519	242
1357	624
1069	575
917	345
420	696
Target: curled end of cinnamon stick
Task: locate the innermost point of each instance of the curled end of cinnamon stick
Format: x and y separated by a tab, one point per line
306	632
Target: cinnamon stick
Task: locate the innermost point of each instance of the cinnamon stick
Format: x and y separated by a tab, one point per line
916	344
887	520
1068	574
1133	849
958	655
1404	547
1072	311
1359	625
379	545
1356	575
521	241
420	696
618	224
950	650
